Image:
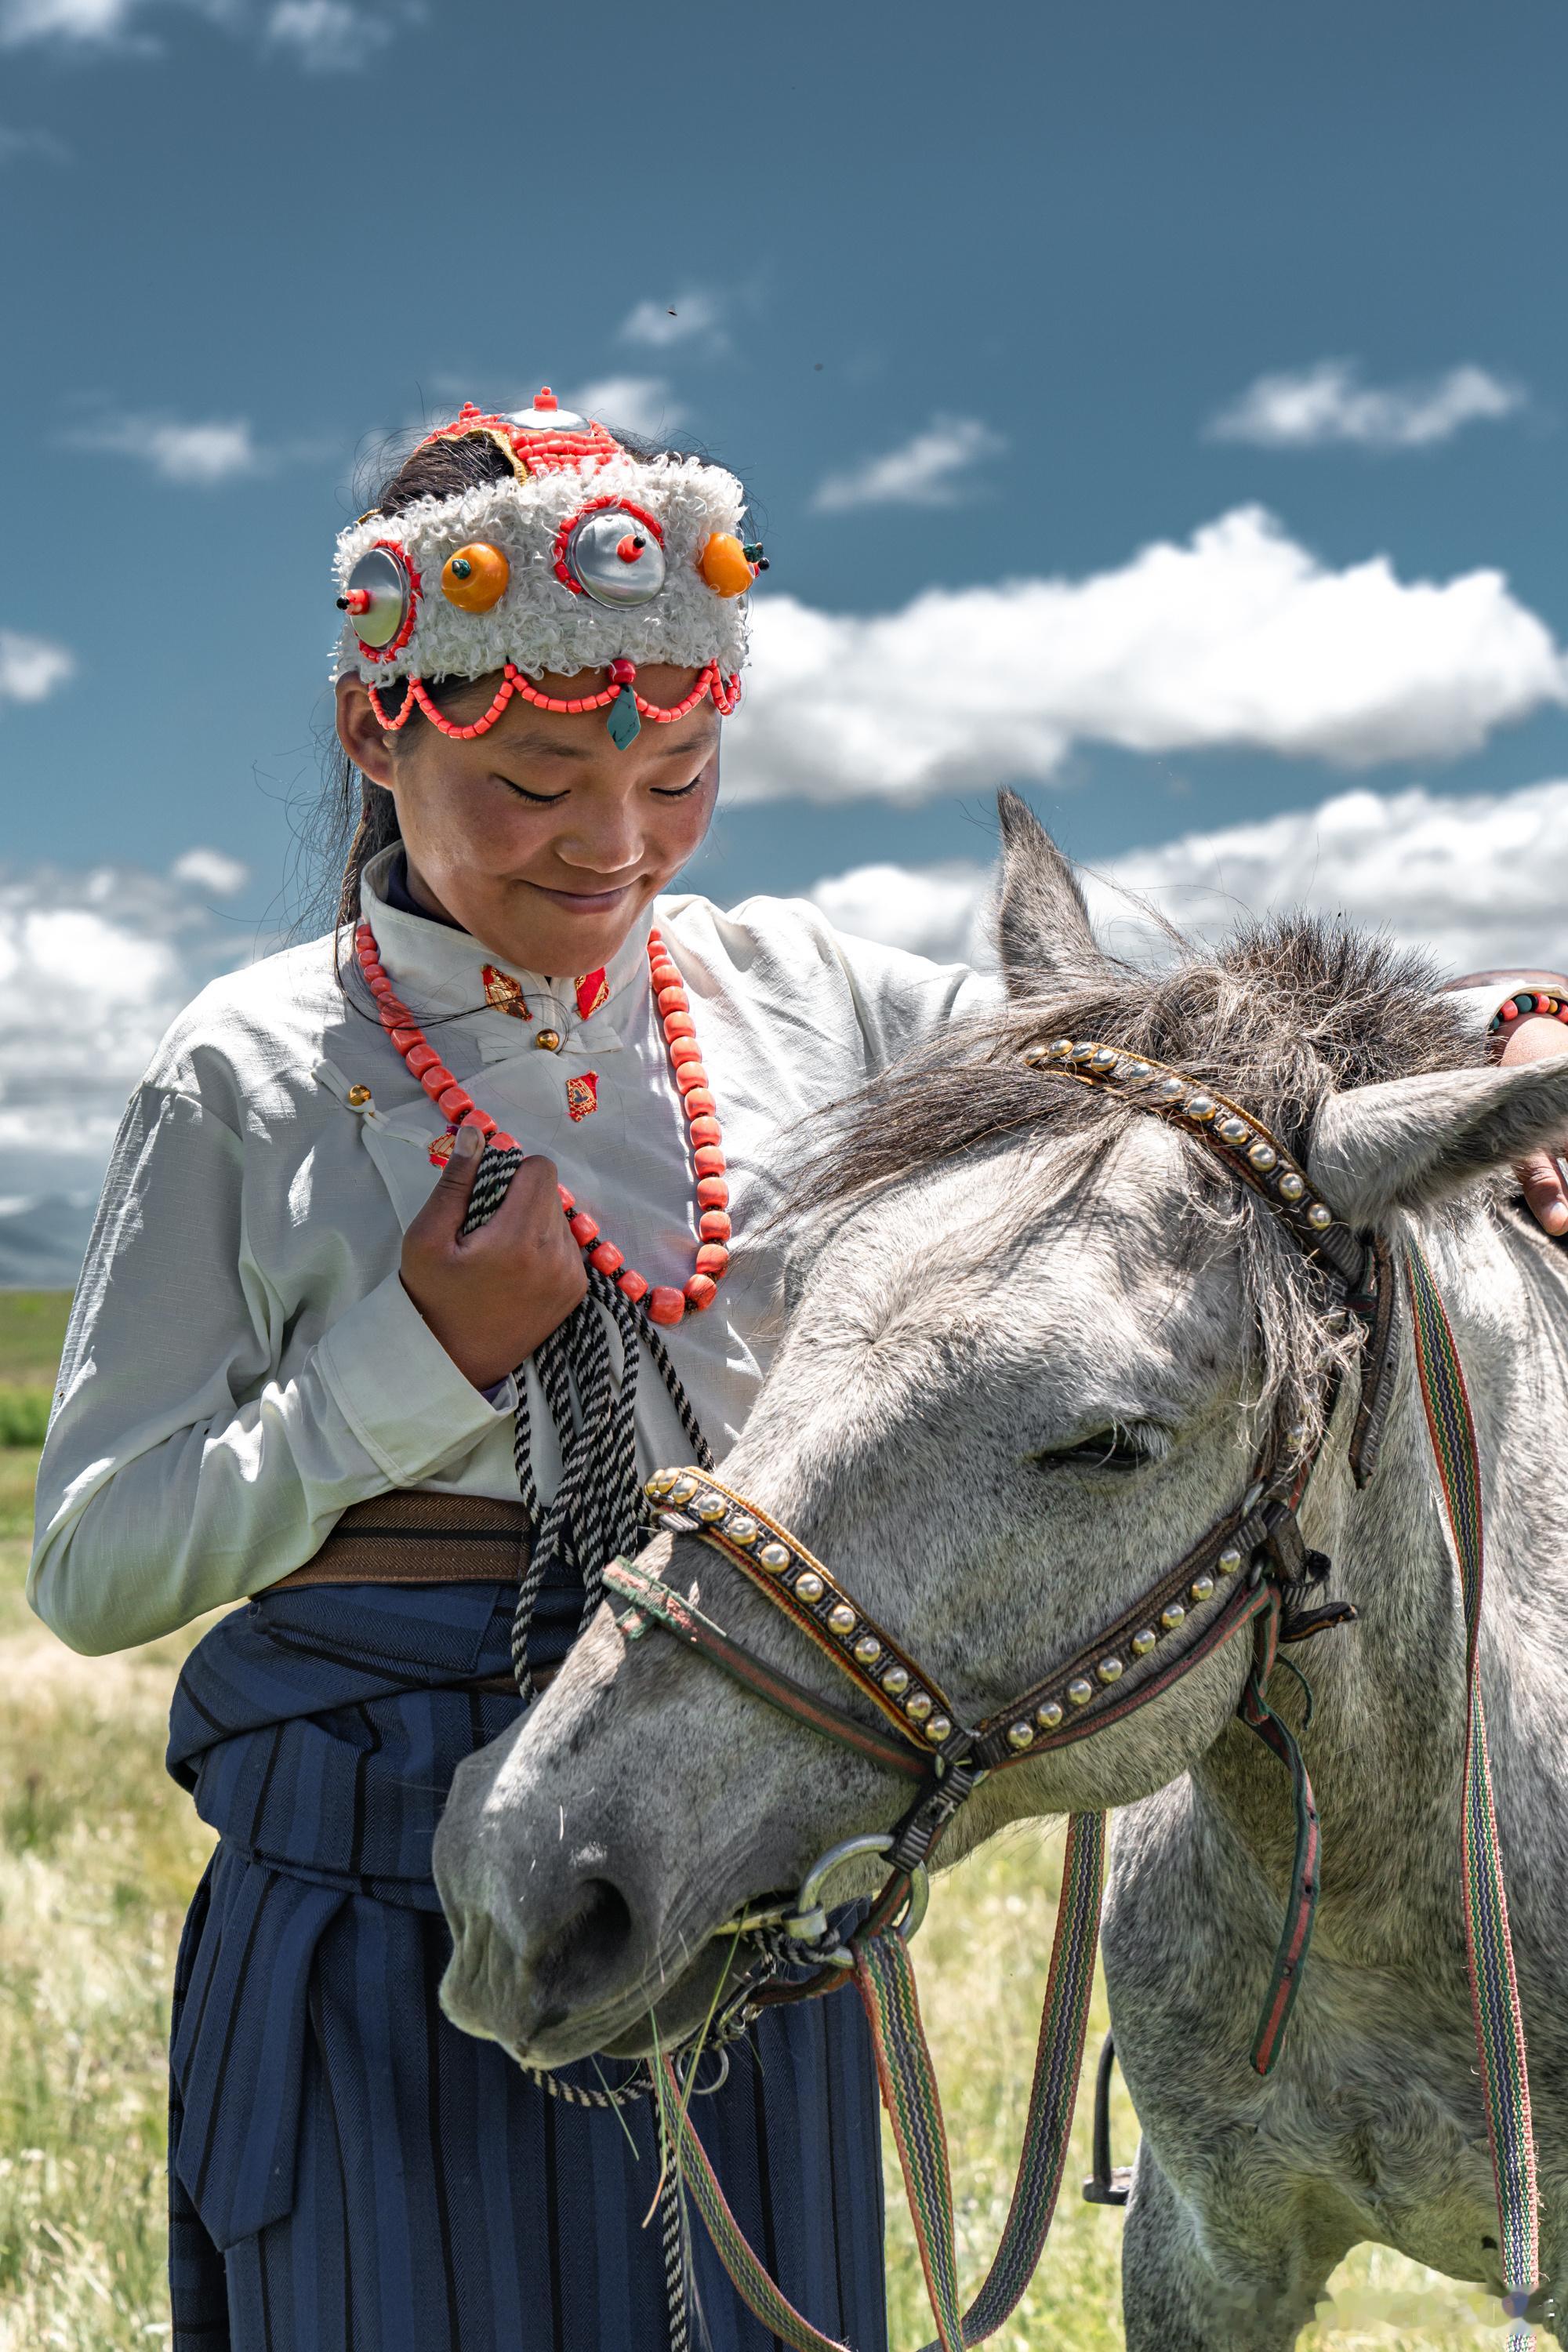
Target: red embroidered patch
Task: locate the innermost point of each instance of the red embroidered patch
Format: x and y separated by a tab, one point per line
593	990
583	1095
505	993
441	1150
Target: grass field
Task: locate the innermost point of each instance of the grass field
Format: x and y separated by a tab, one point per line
99	1852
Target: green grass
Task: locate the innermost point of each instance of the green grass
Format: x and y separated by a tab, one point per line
99	1853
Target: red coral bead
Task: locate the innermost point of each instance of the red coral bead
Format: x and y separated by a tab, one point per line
501	1142
713	1258
436	1080
664	1305
672	1000
1510	1012
690	1074
407	1041
683	1050
698	1101
482	1120
704	1130
664	975
608	1258
701	1291
712	1192
678	1025
632	1284
709	1161
371	971
568	1199
421	1057
714	1225
585	1229
457	1102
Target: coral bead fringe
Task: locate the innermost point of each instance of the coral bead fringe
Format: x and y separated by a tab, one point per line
661	1301
726	694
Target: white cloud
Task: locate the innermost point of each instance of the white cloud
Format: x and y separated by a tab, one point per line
1480	880
1325	405
73	23
31	668
927	471
327	35
211	869
639	404
932	910
34	146
693	317
196	453
1239	639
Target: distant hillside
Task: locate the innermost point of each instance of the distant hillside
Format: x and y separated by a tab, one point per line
42	1241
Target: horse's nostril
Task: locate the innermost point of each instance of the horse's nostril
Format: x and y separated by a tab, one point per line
589	1946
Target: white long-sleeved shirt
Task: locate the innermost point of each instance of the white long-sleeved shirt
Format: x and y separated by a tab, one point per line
243	1364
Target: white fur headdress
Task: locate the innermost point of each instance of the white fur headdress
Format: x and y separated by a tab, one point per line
588	558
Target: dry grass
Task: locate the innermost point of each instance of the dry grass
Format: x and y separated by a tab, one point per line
99	1852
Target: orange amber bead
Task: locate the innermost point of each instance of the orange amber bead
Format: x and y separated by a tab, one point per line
476	577
723	565
664	1305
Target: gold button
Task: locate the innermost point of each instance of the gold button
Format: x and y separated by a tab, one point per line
358	1097
548	1041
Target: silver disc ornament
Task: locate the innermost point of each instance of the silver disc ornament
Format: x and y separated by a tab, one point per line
616	559
377	596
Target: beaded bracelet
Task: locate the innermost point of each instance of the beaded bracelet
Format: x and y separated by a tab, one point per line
1528	1001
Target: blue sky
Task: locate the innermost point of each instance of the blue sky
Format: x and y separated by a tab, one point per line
966	295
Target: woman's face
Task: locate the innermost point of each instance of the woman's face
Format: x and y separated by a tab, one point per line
539	836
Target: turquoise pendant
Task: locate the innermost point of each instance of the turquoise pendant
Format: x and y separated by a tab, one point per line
625	721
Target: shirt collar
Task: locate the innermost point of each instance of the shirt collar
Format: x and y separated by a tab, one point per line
440	970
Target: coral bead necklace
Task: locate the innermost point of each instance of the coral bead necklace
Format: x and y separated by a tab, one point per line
661	1302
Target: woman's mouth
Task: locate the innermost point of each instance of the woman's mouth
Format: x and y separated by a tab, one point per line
583	902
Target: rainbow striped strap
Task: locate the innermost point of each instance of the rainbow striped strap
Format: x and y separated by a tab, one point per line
885	1977
1494	1991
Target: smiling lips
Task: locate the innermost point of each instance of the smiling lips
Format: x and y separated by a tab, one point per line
583	902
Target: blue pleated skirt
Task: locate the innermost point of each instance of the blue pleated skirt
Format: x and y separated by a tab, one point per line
348	2172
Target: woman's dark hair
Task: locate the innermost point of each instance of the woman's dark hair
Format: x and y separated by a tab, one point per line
355	820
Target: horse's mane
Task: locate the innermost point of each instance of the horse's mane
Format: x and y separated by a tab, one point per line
1279	1014
1277	1017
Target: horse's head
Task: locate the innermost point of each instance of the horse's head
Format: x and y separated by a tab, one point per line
1035	1342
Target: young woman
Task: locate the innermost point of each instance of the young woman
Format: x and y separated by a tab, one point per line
306	1368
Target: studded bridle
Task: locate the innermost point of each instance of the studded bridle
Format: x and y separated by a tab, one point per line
1251	1567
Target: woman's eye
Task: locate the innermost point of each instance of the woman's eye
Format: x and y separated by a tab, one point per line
1114	1449
674	792
540	800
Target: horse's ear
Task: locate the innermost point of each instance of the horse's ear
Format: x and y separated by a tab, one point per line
1042	923
1411	1142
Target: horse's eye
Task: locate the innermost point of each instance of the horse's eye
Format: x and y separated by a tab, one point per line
1113	1449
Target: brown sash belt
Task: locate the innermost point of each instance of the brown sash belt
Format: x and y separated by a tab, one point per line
417	1537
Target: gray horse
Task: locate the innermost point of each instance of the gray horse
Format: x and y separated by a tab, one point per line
1032	1339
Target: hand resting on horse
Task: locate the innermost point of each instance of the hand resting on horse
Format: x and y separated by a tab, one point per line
491	1296
1540	1176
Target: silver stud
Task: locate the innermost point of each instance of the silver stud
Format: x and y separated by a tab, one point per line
658	1485
1296	1436
1203	1587
1168	1089
808	1585
1145	1642
1061	1049
1263	1157
841	1617
684	1488
938	1728
1079	1693
1228	1562
614	559
896	1681
1320	1217
774	1556
1172	1616
1084	1053
1134	1072
1200	1105
1020	1735
1048	1716
1290	1186
1233	1130
711	1507
867	1649
1109	1670
740	1528
1035	1054
918	1705
1103	1059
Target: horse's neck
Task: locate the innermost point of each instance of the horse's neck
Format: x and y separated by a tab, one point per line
1384	1746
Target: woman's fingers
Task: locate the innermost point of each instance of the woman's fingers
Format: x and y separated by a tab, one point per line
1545	1190
491	1296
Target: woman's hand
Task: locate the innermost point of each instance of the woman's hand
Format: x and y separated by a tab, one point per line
493	1296
1530	1039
